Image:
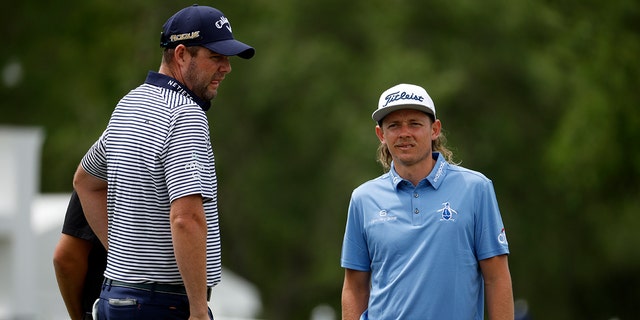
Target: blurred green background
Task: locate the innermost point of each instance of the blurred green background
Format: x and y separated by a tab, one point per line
540	96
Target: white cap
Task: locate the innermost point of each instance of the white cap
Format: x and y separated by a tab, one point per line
404	96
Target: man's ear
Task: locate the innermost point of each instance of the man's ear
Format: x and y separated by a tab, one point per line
380	134
179	54
435	129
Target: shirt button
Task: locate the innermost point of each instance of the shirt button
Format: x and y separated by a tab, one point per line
416	211
415	195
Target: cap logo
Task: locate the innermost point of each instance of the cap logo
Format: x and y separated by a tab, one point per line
395	96
222	22
184	36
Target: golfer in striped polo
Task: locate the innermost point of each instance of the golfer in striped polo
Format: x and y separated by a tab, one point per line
148	185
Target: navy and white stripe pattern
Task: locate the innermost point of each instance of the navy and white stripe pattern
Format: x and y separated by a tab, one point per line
155	149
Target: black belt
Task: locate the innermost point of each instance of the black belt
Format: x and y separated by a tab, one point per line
153	287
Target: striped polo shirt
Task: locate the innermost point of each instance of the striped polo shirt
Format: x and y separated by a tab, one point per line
155	149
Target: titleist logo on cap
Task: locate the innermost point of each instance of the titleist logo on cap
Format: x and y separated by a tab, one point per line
404	96
395	96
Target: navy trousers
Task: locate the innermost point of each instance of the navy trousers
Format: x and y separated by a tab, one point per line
118	303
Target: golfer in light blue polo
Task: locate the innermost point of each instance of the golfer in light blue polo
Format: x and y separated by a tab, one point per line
426	239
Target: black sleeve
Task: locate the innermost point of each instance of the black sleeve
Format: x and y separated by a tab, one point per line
75	224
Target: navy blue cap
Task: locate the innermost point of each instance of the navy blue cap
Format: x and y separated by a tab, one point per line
203	26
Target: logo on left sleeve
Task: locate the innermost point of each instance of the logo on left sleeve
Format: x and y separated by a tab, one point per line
502	237
194	166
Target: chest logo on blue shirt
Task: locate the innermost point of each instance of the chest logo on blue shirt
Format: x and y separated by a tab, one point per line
447	212
383	216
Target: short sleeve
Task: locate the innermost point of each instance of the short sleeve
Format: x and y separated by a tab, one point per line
490	233
189	165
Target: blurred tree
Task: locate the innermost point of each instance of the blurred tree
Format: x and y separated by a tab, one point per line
540	96
593	159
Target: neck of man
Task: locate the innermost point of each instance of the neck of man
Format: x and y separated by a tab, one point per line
415	172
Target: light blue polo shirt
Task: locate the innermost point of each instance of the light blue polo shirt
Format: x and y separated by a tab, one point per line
422	244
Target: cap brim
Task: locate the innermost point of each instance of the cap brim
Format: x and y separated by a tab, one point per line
379	114
231	47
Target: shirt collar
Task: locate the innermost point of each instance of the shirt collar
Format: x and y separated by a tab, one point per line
439	170
164	81
434	178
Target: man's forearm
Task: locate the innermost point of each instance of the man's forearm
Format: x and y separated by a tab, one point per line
70	265
498	288
189	232
355	294
499	298
189	242
352	306
71	285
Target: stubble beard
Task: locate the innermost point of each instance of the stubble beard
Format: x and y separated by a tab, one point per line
200	86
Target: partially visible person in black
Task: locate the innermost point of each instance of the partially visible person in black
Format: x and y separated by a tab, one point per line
79	261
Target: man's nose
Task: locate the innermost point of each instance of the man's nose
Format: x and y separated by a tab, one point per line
226	66
404	129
